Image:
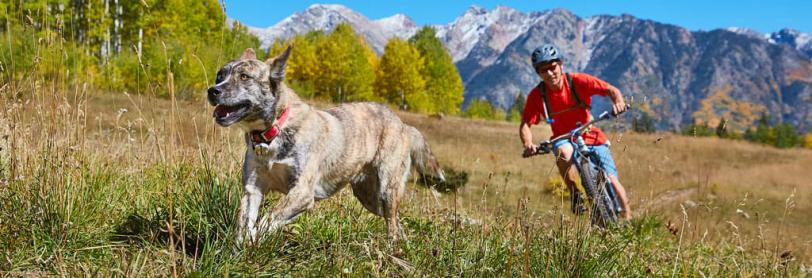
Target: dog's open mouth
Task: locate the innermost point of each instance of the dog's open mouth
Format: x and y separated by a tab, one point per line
226	115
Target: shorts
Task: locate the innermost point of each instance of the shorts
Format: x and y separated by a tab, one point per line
601	151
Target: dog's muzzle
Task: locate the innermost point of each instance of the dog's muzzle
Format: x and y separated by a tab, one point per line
213	94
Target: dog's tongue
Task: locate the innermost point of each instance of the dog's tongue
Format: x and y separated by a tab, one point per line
222	111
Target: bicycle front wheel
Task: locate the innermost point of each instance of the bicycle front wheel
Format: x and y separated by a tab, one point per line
593	180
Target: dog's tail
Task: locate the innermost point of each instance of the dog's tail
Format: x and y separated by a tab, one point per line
423	160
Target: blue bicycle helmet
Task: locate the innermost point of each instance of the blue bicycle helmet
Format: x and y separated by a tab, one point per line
545	53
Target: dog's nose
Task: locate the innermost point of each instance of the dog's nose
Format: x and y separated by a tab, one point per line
213	92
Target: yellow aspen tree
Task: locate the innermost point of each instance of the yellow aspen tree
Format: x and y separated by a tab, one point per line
398	78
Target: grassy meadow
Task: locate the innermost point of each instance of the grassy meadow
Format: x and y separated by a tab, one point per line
101	182
113	184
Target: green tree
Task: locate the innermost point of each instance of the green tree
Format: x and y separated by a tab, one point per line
645	123
763	133
443	82
346	73
157	46
516	110
482	109
721	129
7	14
698	130
786	136
398	78
303	65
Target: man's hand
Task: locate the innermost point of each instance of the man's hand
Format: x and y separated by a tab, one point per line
619	107
618	104
527	139
529	150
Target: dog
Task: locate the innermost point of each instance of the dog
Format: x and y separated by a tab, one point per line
310	154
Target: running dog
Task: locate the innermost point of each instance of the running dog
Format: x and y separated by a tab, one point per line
310	154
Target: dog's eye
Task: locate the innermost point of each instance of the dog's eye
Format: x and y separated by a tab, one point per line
244	77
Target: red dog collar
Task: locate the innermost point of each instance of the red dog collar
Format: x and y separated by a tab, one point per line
269	134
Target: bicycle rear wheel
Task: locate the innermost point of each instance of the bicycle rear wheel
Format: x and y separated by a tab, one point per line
594	181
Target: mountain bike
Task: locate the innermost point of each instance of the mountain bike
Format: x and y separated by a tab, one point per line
604	203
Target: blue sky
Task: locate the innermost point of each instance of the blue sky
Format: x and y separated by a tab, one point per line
762	16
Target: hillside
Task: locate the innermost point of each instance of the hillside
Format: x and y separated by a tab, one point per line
685	76
111	173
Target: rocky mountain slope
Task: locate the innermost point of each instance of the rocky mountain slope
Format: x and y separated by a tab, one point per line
674	74
326	17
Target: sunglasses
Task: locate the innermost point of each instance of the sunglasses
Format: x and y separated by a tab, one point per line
547	67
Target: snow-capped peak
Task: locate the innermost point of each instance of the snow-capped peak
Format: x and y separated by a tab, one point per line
748	32
502	24
331	7
326	17
400	25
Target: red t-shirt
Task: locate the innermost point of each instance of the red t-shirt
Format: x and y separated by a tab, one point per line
586	86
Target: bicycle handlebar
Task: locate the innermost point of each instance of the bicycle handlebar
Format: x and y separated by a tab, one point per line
546	146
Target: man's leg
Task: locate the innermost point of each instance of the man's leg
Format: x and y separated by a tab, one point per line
621	194
563	159
563	153
609	165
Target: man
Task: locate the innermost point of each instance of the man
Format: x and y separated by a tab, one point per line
563	100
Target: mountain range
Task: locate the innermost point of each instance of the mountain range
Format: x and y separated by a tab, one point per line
675	75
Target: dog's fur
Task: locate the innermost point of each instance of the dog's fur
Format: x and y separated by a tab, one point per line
318	152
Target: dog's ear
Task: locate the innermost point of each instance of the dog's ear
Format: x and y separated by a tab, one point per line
248	54
278	65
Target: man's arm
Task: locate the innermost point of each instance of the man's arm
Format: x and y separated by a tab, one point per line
618	104
527	139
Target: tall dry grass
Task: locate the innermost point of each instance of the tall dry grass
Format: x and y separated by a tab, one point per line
755	193
108	183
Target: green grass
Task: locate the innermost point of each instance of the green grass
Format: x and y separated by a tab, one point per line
75	215
111	184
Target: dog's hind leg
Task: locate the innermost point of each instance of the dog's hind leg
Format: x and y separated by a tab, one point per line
393	178
366	189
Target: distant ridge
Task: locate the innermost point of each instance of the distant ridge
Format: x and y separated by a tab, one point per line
682	75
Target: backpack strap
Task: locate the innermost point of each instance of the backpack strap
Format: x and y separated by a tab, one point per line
579	103
543	91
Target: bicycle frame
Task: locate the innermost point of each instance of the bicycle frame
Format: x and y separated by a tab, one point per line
582	153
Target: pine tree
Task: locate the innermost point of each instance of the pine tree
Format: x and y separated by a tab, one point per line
443	82
517	109
721	129
698	130
643	123
786	136
764	133
398	78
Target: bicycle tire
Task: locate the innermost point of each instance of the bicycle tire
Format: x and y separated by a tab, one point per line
594	182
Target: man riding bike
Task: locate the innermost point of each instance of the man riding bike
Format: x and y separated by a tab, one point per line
563	100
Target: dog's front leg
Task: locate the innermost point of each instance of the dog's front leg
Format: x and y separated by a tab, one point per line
249	204
249	210
300	198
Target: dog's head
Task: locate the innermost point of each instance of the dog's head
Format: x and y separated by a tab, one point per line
248	90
